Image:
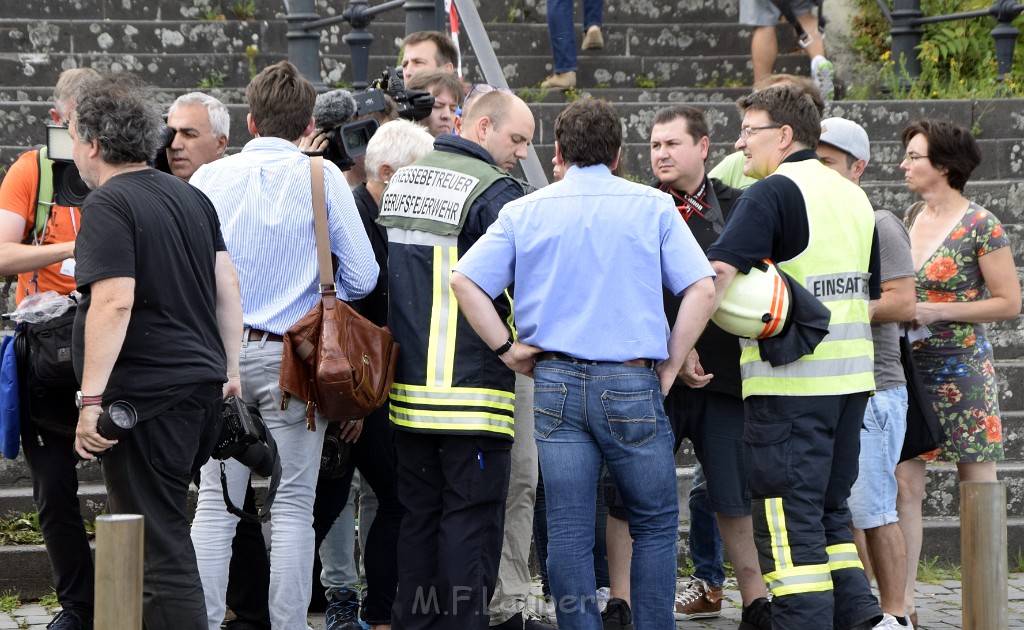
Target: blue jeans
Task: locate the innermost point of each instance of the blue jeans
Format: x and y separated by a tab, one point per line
705	542
585	412
562	30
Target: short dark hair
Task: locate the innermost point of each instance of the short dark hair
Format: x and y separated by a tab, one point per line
696	123
281	101
118	111
807	84
589	132
446	52
790	106
950	146
438	82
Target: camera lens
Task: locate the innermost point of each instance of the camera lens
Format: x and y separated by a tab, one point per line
116	420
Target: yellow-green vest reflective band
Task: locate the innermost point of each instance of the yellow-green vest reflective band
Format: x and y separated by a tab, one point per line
834	268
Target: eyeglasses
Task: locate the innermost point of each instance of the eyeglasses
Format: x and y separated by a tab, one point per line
913	157
477	90
746	132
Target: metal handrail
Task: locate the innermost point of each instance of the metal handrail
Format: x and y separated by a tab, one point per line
906	20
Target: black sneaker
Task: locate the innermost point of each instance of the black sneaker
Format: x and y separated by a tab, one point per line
617	615
69	619
757	616
343	611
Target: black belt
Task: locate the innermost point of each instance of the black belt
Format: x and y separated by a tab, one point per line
257	335
558	356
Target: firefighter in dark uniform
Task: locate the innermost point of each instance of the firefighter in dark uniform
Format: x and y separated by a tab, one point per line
803	418
452	399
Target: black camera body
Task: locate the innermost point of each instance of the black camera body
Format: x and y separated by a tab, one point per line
244	437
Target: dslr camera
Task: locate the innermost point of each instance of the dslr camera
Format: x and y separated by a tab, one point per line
244	437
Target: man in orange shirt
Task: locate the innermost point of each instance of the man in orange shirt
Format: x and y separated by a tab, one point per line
44	261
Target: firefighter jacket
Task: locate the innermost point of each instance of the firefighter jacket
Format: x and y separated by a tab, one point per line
447	380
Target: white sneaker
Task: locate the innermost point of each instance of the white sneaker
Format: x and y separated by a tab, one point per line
824	73
603	595
889	622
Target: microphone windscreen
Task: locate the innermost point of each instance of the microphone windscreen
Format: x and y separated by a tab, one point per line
333	109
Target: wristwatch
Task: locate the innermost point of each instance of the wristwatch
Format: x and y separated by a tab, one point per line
503	348
87	401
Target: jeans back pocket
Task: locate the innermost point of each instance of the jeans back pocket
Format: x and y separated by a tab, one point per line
631	416
548	405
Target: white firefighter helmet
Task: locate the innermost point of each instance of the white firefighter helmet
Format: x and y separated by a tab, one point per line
756	304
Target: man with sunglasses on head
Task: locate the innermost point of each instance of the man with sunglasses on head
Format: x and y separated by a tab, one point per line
452	400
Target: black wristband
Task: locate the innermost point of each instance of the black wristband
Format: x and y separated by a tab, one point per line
503	348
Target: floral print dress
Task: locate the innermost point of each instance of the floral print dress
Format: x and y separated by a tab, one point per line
956	361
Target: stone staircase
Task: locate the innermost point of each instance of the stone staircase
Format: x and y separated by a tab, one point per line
692	52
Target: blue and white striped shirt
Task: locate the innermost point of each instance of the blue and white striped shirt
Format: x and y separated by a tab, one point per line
263	198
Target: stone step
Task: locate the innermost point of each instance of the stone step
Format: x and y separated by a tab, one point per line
139	36
507	40
616	11
140	10
174	70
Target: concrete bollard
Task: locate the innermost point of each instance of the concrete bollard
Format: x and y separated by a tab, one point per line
119	552
983	554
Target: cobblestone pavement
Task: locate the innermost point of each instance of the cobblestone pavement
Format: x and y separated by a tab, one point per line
938	608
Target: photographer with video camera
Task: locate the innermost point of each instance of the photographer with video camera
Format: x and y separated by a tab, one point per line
159	326
37	242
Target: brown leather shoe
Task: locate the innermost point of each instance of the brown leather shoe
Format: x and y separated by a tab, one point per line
593	40
560	81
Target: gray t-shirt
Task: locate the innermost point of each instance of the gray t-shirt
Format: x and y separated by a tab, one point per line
894	250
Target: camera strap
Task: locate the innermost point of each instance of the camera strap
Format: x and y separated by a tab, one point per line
275	480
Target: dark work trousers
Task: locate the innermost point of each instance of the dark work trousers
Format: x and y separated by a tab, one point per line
248	592
148	472
373	455
801	459
453	488
51	463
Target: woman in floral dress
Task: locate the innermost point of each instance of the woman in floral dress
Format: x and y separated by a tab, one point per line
965	278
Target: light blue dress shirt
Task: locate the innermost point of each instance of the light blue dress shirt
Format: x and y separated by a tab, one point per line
588	256
265	205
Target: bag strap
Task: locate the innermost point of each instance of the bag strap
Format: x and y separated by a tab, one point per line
323	241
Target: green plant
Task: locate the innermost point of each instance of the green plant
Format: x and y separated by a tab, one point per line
250	53
244	9
644	82
957	58
213	80
213	13
21	529
572	94
532	95
9	601
603	85
49	600
1018	562
931	570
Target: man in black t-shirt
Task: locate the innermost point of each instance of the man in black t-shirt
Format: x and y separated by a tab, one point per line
160	305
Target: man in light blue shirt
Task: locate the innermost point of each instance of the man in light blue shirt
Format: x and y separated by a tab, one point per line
588	257
264	202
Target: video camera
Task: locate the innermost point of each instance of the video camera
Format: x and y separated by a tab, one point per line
348	140
68	187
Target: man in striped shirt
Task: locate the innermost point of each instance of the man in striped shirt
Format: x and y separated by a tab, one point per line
263	199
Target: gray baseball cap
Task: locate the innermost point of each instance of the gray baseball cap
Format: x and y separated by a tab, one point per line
846	136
